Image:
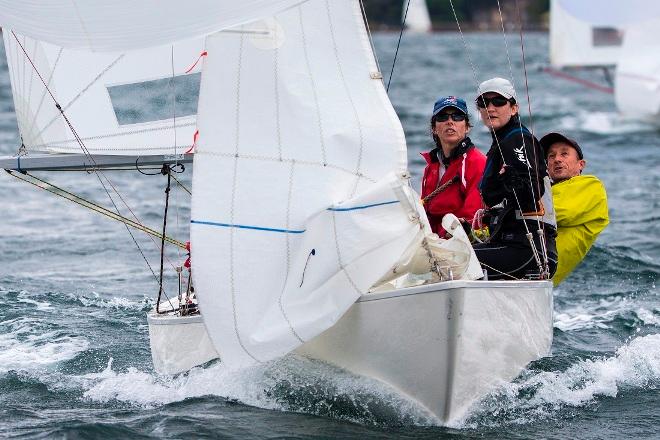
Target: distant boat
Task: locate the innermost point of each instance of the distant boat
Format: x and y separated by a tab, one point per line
614	35
417	19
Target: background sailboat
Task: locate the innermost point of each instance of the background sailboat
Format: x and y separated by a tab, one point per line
617	35
416	15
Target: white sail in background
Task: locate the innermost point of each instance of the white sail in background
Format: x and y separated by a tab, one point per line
417	18
637	83
118	102
120	25
298	205
577	41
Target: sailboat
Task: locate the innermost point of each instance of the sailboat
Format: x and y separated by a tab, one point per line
416	16
612	35
305	234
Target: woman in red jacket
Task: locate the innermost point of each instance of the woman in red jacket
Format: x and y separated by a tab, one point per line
453	168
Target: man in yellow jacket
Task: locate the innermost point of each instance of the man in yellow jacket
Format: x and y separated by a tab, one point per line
580	202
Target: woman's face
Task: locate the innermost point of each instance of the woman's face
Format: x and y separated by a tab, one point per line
449	131
495	115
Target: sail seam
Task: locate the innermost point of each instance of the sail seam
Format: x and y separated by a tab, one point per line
252	227
82	92
45	92
355	208
237	139
313	84
339	258
356	115
288	251
276	159
126	133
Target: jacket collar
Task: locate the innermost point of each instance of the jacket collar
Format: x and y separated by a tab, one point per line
436	155
501	132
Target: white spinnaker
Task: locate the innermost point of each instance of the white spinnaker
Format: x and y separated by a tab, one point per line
637	84
572	39
119	25
296	206
81	82
418	18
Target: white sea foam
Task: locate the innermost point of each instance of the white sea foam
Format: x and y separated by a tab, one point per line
24	297
540	395
115	302
600	313
258	386
603	123
25	347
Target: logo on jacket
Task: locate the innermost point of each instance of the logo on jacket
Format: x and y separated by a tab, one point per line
520	155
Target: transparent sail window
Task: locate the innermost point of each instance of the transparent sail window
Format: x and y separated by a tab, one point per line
606	36
150	101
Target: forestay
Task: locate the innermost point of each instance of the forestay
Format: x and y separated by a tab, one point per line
119	25
118	102
298	201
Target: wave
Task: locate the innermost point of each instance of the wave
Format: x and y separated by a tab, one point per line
539	395
292	383
602	312
32	344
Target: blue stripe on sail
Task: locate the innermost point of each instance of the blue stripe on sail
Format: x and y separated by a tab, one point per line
256	228
363	207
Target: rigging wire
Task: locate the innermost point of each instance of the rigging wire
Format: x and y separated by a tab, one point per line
497	142
396	53
371	40
539	223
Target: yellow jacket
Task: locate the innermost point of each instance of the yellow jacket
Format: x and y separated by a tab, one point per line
581	209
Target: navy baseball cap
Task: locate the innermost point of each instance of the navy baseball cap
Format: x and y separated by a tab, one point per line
449	101
552	138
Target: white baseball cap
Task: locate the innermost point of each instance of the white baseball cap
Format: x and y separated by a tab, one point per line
498	85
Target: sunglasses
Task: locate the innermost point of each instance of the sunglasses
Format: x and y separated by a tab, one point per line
444	117
497	101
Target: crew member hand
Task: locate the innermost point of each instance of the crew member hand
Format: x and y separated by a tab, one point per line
477	220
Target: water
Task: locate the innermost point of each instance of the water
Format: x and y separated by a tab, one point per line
74	350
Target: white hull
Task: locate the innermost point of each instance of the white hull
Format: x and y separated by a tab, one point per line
443	345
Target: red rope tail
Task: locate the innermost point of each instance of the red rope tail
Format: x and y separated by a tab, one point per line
203	54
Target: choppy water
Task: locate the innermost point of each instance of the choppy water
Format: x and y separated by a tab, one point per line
74	351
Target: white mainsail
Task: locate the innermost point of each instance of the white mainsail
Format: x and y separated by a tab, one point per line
417	18
118	102
119	25
298	204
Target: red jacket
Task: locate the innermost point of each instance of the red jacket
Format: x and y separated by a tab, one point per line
461	198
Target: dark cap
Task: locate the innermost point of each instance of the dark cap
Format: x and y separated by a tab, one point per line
552	138
449	101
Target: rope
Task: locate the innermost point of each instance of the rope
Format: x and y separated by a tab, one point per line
403	24
58	191
439	189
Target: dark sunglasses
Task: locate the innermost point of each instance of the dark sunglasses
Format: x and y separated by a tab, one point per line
444	117
497	101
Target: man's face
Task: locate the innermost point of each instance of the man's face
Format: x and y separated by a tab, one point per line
495	116
563	162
